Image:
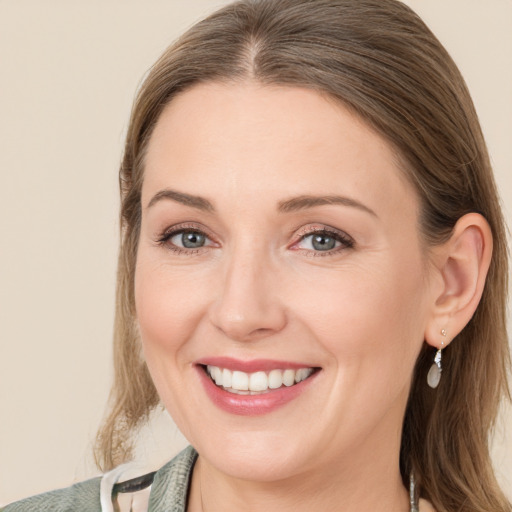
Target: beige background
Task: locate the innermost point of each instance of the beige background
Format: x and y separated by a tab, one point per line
68	71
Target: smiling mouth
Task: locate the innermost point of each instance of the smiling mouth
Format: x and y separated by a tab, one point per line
257	383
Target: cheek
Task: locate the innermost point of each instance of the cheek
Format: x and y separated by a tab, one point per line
168	305
365	315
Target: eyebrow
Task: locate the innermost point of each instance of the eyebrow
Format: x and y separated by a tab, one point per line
290	205
305	202
197	202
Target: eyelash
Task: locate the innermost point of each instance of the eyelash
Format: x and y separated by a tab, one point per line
164	239
345	241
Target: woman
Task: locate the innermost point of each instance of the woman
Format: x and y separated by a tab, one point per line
313	270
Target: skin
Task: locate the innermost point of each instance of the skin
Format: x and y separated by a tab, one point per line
259	289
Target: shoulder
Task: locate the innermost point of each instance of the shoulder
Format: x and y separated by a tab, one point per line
169	488
171	482
165	489
83	496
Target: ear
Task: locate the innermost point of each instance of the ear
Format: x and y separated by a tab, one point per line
461	266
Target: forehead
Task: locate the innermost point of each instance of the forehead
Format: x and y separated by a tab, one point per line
239	139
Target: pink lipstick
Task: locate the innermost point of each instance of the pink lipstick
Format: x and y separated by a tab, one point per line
253	387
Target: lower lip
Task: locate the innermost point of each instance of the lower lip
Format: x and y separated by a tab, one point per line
252	405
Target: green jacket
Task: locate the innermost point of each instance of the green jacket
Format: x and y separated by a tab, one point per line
168	491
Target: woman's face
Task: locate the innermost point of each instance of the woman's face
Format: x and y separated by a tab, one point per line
278	235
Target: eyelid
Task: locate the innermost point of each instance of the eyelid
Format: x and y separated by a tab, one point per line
164	237
316	227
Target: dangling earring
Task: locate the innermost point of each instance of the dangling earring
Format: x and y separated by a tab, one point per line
434	374
413	502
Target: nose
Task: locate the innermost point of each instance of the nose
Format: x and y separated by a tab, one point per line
247	307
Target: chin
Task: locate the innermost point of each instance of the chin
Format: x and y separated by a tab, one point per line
257	454
260	460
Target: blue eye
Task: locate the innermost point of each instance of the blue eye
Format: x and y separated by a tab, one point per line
319	242
324	241
189	239
185	239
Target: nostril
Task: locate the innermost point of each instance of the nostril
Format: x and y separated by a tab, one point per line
252	324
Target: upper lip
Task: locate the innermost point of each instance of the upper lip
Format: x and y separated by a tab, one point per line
251	366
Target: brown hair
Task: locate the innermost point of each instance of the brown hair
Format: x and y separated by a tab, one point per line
379	59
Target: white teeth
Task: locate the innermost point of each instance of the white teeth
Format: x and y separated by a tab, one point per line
275	379
226	378
257	382
289	377
217	375
240	381
303	374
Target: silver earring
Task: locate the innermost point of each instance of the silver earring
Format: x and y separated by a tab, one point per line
413	502
434	374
